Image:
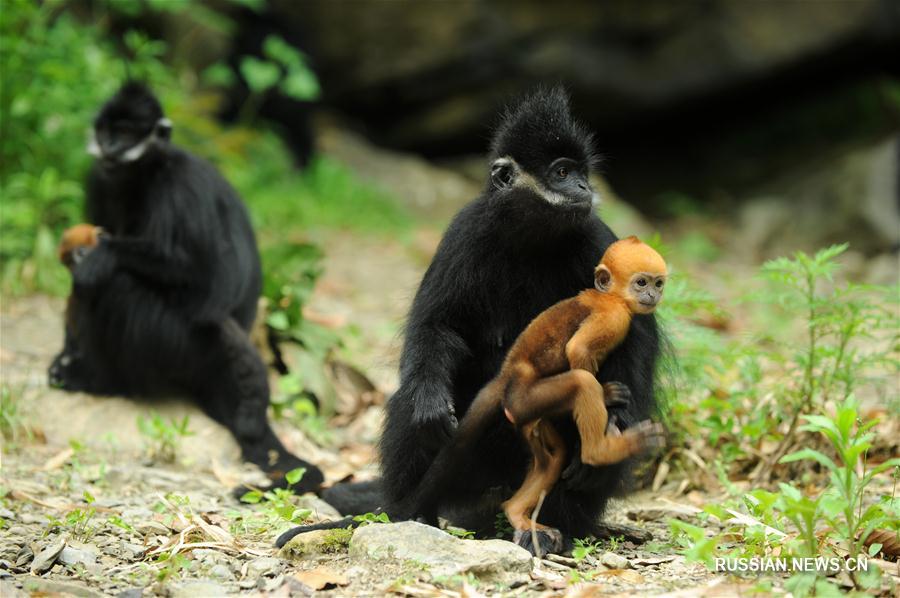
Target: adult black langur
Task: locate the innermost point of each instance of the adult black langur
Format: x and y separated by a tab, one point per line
167	297
534	235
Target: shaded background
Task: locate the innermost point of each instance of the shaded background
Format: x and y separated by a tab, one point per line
783	114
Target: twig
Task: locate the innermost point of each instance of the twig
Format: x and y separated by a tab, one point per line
534	516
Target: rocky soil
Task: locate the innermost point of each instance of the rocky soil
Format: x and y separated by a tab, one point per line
87	512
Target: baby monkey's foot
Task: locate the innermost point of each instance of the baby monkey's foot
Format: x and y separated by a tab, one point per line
615	394
549	540
647	436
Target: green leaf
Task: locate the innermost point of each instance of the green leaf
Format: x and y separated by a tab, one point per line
277	49
88	497
260	75
301	84
252	497
278	320
295	475
219	74
811	454
874	548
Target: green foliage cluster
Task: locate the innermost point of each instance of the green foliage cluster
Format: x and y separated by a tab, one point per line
735	394
278	507
765	388
835	522
162	437
78	522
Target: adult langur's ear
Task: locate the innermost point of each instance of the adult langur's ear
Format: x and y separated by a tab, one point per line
602	278
502	173
163	129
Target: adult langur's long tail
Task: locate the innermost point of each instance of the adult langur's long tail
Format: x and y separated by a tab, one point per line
423	502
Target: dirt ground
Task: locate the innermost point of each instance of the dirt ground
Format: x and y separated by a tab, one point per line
82	446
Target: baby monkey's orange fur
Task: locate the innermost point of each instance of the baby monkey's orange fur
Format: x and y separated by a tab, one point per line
75	243
76	240
550	370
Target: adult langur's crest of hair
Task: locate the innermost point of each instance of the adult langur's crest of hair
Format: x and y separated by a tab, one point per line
539	128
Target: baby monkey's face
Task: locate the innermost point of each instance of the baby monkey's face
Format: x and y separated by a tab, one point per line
645	291
635	272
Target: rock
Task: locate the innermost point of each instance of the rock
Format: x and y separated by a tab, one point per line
416	183
75	553
626	58
270	584
852	198
193	589
17	531
318	542
655	513
8	590
24	556
442	554
7	514
152	527
221	572
52	587
614	561
45	559
264	566
133	551
131	593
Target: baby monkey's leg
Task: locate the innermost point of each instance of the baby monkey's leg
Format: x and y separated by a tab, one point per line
577	391
607	445
549	453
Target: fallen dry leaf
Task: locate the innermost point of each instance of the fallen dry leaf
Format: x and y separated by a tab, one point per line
320	579
626	575
890	542
59	459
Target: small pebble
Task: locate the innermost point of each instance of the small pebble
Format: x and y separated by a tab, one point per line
614	561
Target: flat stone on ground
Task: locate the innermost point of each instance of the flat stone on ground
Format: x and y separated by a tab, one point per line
442	554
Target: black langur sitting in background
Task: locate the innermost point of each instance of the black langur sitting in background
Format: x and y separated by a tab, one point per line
166	298
530	240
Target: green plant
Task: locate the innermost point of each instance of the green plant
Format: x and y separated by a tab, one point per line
279	503
735	394
162	436
14	425
585	547
367	518
78	521
172	565
841	506
835	522
460	532
502	526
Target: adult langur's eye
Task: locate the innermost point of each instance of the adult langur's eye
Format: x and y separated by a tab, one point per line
563	172
659	284
642	282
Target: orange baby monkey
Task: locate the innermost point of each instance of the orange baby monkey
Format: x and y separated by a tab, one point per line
550	371
76	242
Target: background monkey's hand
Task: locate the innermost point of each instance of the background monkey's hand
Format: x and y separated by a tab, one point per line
434	421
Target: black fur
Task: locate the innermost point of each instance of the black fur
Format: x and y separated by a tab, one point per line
165	301
506	257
